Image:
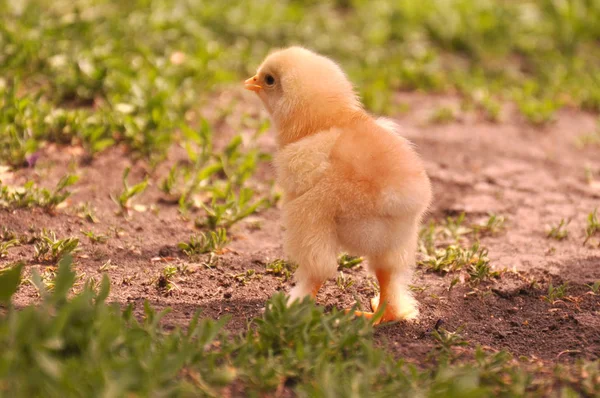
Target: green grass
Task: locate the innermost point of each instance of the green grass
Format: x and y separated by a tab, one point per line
348	261
559	231
223	175
245	277
145	76
228	208
202	243
87	212
95	238
96	73
454	230
49	248
30	195
165	280
593	226
442	115
81	345
595	287
456	257
556	292
125	198
492	226
5	245
281	268
343	281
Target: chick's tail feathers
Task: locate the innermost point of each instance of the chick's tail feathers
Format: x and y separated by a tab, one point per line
388	124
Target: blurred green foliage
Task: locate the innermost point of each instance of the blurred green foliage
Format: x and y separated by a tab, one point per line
32	196
128	71
79	345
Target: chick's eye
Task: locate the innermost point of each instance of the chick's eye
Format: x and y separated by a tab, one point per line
270	80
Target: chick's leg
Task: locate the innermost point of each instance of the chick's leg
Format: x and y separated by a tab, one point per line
394	292
310	242
393	271
304	288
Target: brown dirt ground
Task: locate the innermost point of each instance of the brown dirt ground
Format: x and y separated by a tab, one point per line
533	176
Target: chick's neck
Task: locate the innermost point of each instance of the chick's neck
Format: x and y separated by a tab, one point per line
305	122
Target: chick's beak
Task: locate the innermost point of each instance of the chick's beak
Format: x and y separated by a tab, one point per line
252	84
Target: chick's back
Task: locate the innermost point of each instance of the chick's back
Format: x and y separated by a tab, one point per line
357	171
376	171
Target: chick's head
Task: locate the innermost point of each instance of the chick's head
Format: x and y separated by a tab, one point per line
304	92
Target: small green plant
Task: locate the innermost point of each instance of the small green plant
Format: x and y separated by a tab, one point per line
165	280
239	165
222	175
482	101
491	109
51	278
538	111
480	270
95	238
95	137
281	268
427	236
5	245
87	212
418	289
169	271
7	234
17	116
59	194
344	281
556	293
168	184
183	182
443	260
346	261
31	196
453	227
491	226
442	115
226	209
49	248
559	231
455	258
107	266
245	277
595	287
210	242
453	230
453	283
124	199
48	277
447	341
593	226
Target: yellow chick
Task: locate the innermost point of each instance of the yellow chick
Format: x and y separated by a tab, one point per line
351	182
